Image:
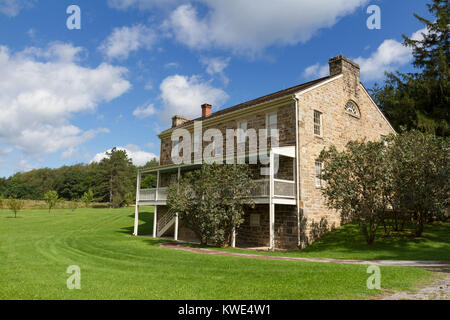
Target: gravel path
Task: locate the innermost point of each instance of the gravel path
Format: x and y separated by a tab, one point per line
438	290
397	263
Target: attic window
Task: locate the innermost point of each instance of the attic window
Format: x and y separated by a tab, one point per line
352	109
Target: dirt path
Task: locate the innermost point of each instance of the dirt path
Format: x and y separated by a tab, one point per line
438	290
397	263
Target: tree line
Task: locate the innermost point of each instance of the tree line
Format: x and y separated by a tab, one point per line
112	180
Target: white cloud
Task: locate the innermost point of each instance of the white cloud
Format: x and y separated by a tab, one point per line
142	4
216	66
171	65
389	56
138	156
182	95
13	7
43	88
246	27
316	71
144	112
122	41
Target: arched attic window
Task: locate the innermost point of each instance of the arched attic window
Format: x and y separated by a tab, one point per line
352	109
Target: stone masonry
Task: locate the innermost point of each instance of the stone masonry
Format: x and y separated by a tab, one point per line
329	98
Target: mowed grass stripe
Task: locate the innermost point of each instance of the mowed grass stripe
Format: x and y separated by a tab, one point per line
37	248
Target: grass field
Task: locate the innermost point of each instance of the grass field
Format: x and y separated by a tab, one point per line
348	243
37	248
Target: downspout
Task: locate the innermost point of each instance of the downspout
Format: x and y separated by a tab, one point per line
297	170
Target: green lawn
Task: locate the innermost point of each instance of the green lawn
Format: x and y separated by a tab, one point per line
347	242
37	247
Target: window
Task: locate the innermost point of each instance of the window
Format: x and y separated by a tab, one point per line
175	148
242	134
272	124
319	166
317	123
352	109
255	220
218	148
196	143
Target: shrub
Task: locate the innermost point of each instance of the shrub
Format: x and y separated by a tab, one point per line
211	201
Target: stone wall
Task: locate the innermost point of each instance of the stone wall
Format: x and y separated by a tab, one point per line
286	126
339	128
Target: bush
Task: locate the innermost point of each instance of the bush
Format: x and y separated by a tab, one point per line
356	183
15	205
211	201
420	170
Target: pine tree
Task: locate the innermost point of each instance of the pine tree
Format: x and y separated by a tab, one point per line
115	177
421	99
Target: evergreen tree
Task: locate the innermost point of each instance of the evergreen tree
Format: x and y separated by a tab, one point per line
421	99
115	177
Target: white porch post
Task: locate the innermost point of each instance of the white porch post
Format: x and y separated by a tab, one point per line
155	214
155	221
233	239
271	204
136	210
175	236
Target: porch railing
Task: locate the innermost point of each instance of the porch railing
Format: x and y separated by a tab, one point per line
282	188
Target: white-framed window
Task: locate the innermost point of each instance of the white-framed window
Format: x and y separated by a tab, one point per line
352	109
242	133
175	147
272	123
255	220
318	123
196	143
318	171
218	148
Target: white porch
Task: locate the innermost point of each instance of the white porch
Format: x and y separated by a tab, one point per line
270	191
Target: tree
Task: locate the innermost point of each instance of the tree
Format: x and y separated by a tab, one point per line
51	198
420	173
420	100
1	202
211	201
116	177
74	204
15	205
356	183
88	198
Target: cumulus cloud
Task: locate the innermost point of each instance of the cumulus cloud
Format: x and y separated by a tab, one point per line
389	56
12	8
122	41
138	156
142	4
145	111
183	95
316	71
43	88
248	28
216	66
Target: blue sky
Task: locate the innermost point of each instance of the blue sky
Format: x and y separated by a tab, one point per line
67	96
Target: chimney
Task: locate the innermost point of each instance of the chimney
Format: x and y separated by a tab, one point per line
351	72
341	64
206	110
178	121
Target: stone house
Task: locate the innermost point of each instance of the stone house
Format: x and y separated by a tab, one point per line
290	210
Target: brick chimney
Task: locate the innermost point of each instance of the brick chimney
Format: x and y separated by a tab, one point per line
206	110
350	70
178	121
